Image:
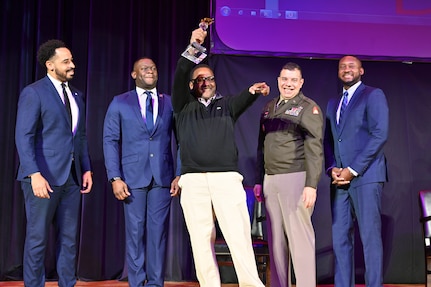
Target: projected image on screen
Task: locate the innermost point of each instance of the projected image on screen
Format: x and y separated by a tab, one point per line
386	29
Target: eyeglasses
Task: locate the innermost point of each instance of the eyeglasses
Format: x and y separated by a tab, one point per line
200	80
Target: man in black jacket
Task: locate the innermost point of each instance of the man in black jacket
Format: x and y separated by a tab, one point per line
210	181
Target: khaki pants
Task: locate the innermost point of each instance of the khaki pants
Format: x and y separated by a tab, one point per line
222	194
291	233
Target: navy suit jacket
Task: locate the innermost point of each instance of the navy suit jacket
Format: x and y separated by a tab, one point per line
130	150
43	136
358	140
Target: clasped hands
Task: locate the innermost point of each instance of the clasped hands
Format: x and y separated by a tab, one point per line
341	176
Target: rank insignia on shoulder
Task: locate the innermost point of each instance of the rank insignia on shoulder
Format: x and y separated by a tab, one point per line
315	110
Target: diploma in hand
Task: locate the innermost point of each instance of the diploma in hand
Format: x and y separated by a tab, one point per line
195	52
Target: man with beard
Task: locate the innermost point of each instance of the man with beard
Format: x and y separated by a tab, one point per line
210	182
137	141
54	163
356	131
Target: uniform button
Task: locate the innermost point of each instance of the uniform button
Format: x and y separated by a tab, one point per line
151	138
151	155
340	140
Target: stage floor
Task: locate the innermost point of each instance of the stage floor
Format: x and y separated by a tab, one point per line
114	283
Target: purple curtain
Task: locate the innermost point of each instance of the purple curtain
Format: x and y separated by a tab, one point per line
105	38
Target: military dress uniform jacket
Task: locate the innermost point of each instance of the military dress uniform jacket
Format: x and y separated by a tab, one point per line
290	139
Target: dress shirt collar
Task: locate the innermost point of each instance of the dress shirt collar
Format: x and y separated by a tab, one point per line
57	84
141	91
205	102
352	90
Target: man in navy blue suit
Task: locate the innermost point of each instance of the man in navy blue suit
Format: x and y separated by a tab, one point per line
54	163
137	144
356	131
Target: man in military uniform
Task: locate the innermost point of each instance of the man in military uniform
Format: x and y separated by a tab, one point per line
289	161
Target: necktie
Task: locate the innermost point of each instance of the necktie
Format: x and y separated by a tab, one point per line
280	104
343	105
149	111
67	102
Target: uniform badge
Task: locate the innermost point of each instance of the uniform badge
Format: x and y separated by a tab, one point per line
315	110
294	111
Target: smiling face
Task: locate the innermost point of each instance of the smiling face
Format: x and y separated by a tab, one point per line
350	71
290	83
61	66
145	74
203	83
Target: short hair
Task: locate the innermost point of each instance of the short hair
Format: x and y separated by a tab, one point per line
197	67
142	58
47	50
353	56
292	66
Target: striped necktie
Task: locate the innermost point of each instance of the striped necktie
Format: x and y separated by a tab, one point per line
343	105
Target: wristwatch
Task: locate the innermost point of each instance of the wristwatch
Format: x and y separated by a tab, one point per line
114	179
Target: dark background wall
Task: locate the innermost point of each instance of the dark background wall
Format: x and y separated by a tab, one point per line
105	38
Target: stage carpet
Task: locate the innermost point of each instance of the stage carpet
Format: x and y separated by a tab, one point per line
114	283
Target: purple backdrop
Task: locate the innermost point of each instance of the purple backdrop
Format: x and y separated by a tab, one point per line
373	29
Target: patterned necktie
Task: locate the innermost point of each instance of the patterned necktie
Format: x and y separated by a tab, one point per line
149	111
67	102
343	106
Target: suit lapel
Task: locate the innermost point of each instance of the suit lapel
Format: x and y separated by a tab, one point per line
133	103
161	108
272	107
352	103
57	100
355	98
